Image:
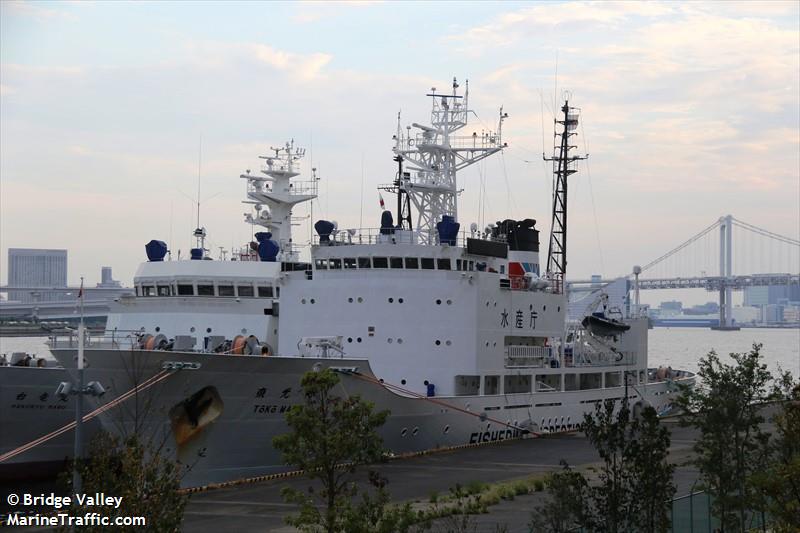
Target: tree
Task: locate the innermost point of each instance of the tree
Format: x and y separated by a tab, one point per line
779	482
731	446
563	508
634	482
330	437
146	480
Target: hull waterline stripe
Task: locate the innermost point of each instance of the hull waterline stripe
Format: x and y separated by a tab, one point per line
41	440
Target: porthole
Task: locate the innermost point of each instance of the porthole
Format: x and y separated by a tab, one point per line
358	339
391	300
389	340
350	300
495	304
208	330
438	302
558	309
313	301
244	331
399	300
415	431
449	302
399	341
191	329
360	299
494	343
467	406
487	304
404	432
488	426
530	307
544	308
402	382
487	344
448	343
303	301
158	329
438	342
349	339
447	429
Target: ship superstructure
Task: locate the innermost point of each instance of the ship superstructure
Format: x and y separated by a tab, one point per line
461	335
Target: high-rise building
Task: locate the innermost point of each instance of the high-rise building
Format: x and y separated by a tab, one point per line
31	268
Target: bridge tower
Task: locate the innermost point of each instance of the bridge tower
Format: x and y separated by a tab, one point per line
726	273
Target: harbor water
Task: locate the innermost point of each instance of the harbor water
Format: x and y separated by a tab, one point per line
680	348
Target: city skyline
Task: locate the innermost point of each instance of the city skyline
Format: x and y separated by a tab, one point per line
104	106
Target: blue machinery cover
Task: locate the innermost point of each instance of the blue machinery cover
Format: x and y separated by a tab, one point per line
156	250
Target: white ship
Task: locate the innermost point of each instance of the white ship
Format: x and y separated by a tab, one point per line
456	333
195	304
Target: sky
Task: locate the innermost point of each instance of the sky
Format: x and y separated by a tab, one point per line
110	110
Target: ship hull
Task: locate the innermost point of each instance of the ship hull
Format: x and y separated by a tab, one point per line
30	409
219	420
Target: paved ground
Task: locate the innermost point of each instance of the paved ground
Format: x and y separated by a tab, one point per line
259	507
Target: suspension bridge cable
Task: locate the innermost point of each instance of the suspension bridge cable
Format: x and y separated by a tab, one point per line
680	247
765	233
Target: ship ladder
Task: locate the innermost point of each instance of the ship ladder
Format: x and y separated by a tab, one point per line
163	374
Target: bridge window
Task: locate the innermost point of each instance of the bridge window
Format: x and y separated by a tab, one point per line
185	290
412	262
205	290
613	379
321	264
148	290
225	290
570	382
396	262
163	290
380	262
591	381
265	292
335	263
427	263
517	384
245	291
443	264
491	384
349	262
364	262
548	382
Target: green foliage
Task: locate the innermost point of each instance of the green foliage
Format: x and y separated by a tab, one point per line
779	482
634	482
732	446
330	437
137	472
563	507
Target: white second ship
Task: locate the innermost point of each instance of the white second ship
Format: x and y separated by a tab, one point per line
455	333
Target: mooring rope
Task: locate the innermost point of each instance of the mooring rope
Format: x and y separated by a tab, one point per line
103	408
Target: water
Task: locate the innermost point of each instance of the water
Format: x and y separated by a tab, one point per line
679	348
682	348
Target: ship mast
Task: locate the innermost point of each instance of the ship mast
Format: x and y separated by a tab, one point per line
274	195
562	161
434	155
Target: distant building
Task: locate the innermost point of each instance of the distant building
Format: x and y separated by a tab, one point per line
30	267
770	294
106	279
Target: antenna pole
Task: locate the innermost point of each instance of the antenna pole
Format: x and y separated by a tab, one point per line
557	252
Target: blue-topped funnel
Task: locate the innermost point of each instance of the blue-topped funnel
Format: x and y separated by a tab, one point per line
196	254
156	250
324	229
448	230
268	249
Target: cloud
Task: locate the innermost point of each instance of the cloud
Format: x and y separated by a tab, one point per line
38	10
313	11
